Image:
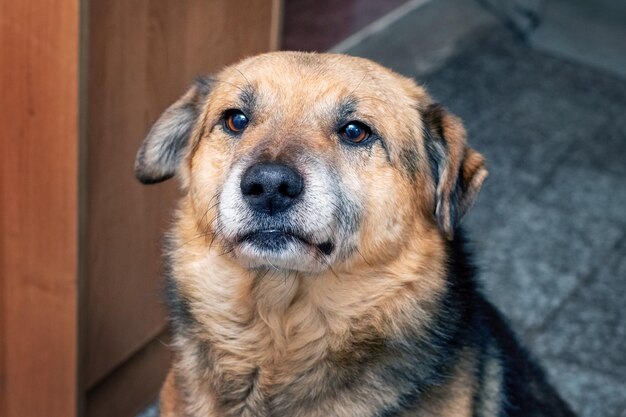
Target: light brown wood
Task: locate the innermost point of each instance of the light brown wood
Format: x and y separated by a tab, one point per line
276	28
80	286
142	55
39	207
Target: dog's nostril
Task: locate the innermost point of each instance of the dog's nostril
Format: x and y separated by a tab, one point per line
290	189
256	190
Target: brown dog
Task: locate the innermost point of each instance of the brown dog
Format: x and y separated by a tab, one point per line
315	267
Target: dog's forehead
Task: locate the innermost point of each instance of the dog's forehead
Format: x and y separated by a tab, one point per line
306	79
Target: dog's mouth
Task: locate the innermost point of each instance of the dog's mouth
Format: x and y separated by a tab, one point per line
275	241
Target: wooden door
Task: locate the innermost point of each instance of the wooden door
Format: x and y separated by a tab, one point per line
142	55
82	325
39	114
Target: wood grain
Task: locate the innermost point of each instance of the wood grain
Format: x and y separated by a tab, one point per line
70	206
142	56
131	387
276	26
39	203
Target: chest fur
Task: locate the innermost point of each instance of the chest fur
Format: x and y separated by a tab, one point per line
276	344
272	362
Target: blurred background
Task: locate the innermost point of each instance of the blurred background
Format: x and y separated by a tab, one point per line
540	85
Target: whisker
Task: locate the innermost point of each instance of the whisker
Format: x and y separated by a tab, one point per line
371	98
226	82
242	74
198	236
358	85
364	260
209	208
293	281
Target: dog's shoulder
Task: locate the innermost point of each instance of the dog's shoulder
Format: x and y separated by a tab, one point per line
526	390
508	376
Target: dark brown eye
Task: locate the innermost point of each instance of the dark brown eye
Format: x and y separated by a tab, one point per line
355	132
236	121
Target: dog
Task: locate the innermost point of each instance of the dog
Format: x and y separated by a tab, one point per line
316	266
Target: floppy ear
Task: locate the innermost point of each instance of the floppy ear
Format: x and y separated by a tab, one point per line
165	145
458	170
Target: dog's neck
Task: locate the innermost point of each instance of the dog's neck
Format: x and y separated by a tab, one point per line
224	295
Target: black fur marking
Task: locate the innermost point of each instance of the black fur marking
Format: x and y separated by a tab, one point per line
455	198
180	315
434	139
435	153
345	112
383	144
204	85
179	309
410	158
436	149
248	100
432	117
480	376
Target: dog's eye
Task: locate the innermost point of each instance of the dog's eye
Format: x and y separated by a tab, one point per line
355	132
235	121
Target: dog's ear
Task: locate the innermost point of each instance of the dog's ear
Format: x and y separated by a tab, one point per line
165	145
458	170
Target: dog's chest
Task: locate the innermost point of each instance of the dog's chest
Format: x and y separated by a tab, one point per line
270	367
277	348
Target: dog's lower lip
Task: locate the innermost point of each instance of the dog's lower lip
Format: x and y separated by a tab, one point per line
270	234
263	237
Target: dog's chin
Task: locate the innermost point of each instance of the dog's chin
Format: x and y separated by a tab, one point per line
281	250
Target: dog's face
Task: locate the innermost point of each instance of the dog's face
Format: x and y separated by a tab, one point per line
308	162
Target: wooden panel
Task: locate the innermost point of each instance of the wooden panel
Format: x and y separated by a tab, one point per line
38	200
142	56
276	28
132	386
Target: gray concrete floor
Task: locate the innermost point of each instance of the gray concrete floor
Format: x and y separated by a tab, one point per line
590	31
549	229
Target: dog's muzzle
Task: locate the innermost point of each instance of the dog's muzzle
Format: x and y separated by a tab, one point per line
270	189
273	213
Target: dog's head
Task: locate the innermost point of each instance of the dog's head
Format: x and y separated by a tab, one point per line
310	161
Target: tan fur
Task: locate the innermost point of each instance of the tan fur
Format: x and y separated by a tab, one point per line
276	333
169	403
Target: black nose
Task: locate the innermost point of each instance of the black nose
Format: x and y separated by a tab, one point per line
271	188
